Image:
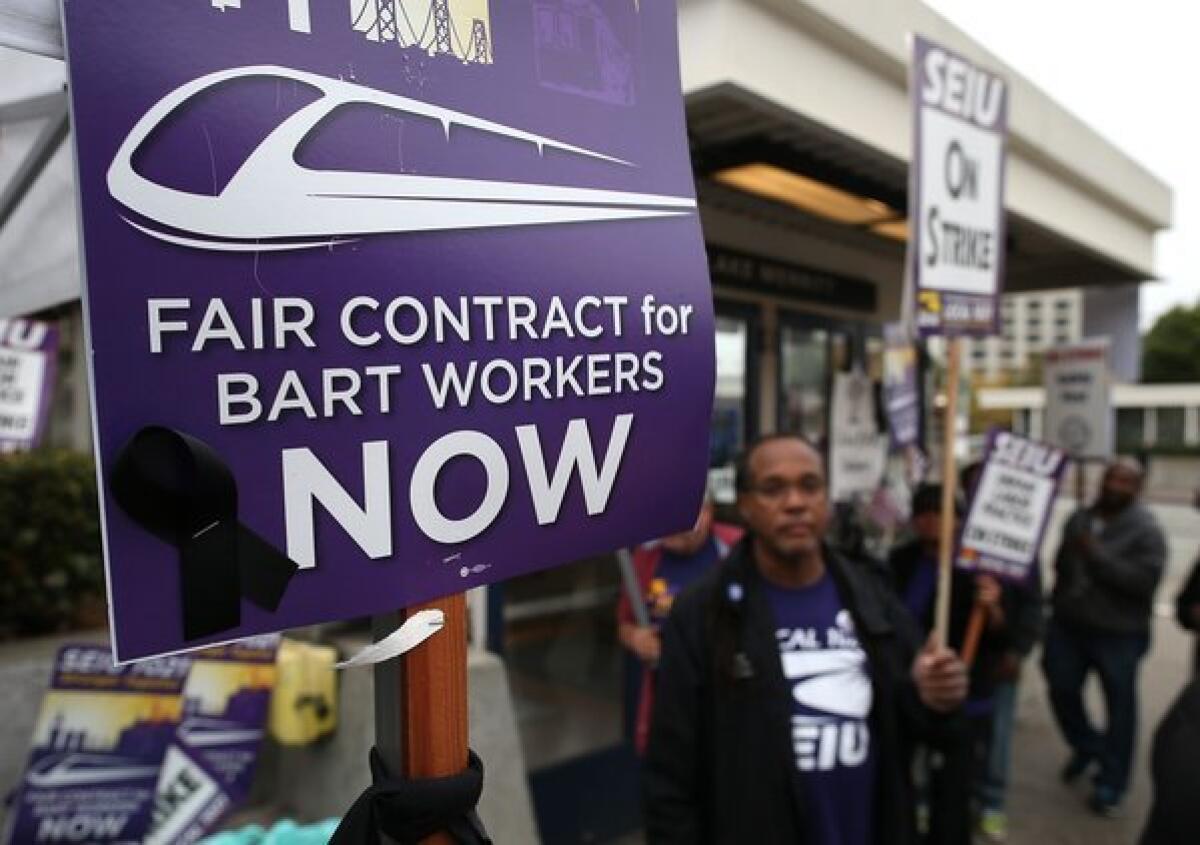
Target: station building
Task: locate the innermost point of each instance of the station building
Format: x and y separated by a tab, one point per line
799	124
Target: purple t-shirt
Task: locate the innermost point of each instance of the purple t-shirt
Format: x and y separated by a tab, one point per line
922	588
827	671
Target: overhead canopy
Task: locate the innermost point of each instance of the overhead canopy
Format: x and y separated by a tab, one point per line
819	89
39	262
31	26
815	88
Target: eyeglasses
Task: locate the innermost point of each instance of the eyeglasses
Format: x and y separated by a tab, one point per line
777	489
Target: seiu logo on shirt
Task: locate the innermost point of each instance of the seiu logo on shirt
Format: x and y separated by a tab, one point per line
831	692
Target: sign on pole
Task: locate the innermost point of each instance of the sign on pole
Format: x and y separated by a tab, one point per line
956	222
1011	506
857	448
382	306
956	206
901	396
1079	412
28	359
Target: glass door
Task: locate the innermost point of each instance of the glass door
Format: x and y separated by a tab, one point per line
733	420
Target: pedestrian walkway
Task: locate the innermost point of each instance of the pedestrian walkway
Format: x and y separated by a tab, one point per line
1043	811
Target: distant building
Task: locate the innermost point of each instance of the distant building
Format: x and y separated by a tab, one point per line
1030	324
1150	417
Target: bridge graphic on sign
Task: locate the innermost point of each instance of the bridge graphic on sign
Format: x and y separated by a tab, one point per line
274	203
457	28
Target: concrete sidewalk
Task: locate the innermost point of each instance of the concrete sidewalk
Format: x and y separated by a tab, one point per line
1042	811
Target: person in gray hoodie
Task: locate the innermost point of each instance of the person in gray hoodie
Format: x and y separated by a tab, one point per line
1109	564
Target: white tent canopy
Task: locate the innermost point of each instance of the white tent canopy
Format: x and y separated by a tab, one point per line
39	253
31	26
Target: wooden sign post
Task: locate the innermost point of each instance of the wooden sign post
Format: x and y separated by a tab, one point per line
421	721
949	490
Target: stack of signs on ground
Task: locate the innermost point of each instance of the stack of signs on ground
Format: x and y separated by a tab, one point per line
382	307
209	768
857	448
1010	506
956	204
28	355
1079	410
97	750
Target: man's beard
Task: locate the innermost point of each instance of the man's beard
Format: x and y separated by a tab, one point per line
1114	502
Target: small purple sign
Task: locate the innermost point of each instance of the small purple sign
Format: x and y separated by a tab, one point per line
97	748
28	360
902	399
956	197
209	768
1010	506
386	300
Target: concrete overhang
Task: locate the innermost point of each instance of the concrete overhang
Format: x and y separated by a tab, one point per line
825	83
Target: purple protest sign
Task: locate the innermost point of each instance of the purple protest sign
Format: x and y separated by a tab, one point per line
28	359
1010	506
386	300
209	768
97	748
902	399
956	200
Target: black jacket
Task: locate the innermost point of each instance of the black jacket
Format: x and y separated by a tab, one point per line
1187	598
720	767
1113	589
1175	814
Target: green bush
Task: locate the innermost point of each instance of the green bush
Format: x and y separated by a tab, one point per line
51	567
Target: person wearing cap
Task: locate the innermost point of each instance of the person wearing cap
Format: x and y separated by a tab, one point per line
914	566
1108	567
790	682
663	570
1024	615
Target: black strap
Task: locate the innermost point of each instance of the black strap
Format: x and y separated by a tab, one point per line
178	489
409	811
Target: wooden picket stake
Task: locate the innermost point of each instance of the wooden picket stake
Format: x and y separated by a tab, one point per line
970	646
949	490
436	732
421	726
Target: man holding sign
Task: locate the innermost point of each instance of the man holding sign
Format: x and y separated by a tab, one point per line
1109	565
789	679
914	568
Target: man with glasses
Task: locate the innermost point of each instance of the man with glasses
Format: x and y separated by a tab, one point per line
790	682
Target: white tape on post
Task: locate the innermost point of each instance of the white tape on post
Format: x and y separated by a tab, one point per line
416	629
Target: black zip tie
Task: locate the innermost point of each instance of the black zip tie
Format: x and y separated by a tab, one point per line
409	811
178	489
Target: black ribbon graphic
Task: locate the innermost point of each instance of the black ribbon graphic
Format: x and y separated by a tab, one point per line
178	489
